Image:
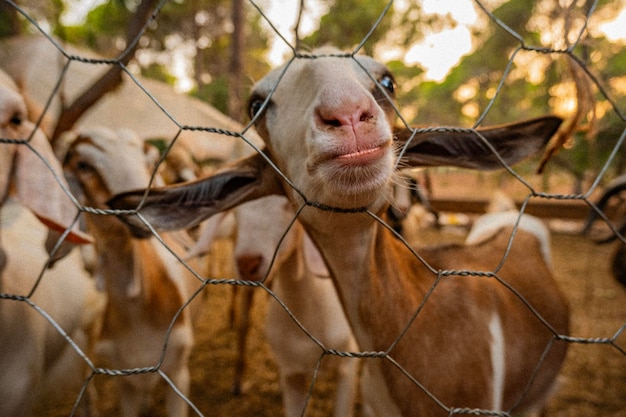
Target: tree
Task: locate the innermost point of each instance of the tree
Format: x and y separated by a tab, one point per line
112	78
346	24
9	23
235	67
205	28
537	83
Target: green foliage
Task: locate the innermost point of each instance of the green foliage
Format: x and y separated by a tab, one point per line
214	93
103	27
522	97
346	24
7	18
158	72
203	23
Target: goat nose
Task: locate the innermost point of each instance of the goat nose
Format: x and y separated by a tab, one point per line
347	113
248	267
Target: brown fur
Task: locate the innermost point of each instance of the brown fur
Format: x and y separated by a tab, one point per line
162	297
333	141
460	376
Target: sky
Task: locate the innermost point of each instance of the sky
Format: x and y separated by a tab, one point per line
441	51
436	54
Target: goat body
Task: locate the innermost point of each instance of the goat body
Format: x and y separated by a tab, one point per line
36	362
446	340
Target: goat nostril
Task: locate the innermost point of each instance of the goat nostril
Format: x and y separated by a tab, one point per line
332	122
366	116
249	267
336	119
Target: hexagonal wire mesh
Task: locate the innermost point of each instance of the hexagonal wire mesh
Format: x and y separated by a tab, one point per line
613	340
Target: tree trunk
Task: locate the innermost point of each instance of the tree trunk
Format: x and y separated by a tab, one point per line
235	67
9	23
113	77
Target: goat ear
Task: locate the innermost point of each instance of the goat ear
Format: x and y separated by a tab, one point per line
38	189
186	205
467	149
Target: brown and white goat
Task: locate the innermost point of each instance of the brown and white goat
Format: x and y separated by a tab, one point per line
445	340
145	284
34	357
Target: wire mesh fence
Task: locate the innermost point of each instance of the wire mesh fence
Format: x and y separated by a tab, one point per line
20	303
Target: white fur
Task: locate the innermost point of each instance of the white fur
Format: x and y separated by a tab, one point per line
299	278
34	359
498	355
487	225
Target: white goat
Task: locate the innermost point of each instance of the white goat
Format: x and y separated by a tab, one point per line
145	284
36	362
29	172
34	357
300	279
465	341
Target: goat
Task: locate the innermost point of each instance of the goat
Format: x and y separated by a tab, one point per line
298	277
34	357
36	362
444	339
611	192
145	284
29	171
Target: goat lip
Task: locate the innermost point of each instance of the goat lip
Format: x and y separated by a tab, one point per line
357	157
362	157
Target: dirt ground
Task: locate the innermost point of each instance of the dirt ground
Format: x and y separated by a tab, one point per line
593	378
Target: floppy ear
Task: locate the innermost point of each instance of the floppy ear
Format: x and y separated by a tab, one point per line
465	148
186	205
37	189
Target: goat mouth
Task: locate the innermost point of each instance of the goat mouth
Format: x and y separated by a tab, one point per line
363	157
354	172
355	158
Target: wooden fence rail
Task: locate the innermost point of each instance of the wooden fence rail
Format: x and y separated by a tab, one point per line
563	209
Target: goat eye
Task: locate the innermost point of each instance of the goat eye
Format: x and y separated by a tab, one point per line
255	106
387	83
16	119
83	166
